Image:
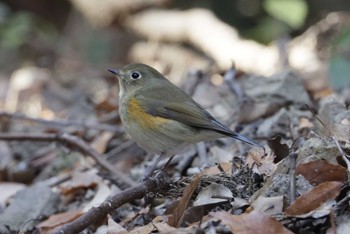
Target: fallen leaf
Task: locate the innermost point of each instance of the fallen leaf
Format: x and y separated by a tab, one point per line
305	123
280	150
269	205
239	203
227	168
319	171
177	216
100	143
80	180
57	220
9	189
102	193
210	194
196	213
314	198
114	227
345	122
30	203
260	164
252	223
149	228
164	228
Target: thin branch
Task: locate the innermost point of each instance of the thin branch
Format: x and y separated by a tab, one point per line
73	142
293	161
61	122
343	154
100	212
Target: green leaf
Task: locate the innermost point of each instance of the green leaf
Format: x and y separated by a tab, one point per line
292	12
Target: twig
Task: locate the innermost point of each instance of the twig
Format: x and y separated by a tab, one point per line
128	195
78	143
61	122
293	161
318	119
218	165
343	154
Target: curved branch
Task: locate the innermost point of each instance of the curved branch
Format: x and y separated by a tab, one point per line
71	141
128	195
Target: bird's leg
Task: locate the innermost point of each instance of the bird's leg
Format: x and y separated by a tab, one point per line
151	169
167	163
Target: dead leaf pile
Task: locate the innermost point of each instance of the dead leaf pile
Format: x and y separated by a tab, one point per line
66	160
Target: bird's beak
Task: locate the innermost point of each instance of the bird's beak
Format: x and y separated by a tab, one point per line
114	71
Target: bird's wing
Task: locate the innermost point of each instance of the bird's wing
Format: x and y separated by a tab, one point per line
175	104
172	103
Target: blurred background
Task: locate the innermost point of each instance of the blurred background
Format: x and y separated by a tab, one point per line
71	43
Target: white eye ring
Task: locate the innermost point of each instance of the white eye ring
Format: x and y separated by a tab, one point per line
135	75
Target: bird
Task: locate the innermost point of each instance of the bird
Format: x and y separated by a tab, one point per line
161	117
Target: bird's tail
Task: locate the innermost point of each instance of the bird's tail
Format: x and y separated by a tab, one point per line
243	139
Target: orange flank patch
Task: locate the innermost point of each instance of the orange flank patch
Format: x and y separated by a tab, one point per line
137	114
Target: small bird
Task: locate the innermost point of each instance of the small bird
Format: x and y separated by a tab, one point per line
162	118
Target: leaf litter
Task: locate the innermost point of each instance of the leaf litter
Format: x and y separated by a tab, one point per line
236	191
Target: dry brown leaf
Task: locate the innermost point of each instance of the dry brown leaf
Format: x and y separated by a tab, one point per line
102	193
280	150
177	216
227	168
305	123
319	171
100	143
318	94
261	164
80	180
58	219
314	198
252	223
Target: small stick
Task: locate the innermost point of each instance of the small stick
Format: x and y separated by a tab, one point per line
128	195
293	161
343	154
74	141
61	122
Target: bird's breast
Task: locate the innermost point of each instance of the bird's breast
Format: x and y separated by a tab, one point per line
134	114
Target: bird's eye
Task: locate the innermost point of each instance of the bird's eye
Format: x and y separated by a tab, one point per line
135	75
